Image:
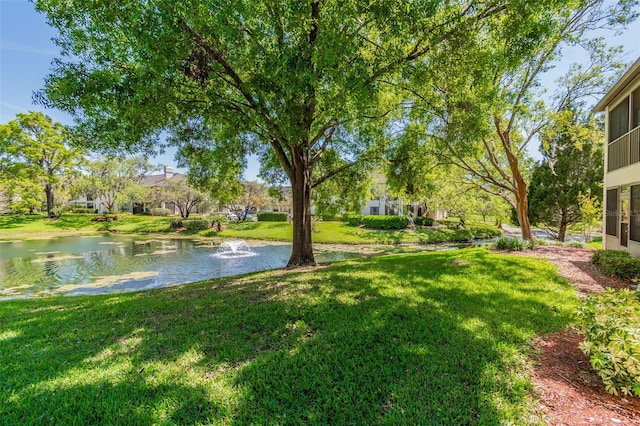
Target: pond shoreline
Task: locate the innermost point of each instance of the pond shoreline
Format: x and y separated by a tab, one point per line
98	263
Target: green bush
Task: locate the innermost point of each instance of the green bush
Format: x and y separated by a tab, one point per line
509	243
540	242
617	263
83	210
423	221
159	212
327	217
385	222
196	224
18	209
107	217
352	219
610	321
176	223
575	244
272	217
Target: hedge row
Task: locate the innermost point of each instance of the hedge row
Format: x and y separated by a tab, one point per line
385	222
190	224
423	221
352	219
617	263
159	212
83	210
273	216
106	217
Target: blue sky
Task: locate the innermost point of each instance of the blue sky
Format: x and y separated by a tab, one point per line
26	52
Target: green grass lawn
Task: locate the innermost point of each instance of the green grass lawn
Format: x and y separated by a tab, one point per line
38	224
325	232
341	233
430	338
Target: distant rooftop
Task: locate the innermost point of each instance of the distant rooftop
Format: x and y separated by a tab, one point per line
161	179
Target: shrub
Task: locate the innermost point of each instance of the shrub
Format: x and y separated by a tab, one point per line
176	223
107	217
609	321
18	209
273	217
327	217
617	263
352	219
540	242
575	244
423	221
196	224
217	217
159	212
509	243
385	222
83	210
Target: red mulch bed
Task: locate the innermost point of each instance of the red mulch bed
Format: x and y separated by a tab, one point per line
570	391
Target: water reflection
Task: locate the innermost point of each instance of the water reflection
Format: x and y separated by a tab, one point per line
92	265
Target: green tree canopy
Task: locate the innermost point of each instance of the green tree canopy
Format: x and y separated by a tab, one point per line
182	195
110	180
288	80
573	165
34	148
489	107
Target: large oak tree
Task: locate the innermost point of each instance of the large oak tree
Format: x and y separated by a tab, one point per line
36	149
289	80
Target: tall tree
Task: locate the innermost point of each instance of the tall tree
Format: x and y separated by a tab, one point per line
485	118
23	195
294	78
255	196
37	149
109	179
182	195
573	165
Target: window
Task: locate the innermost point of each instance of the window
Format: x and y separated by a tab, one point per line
634	218
619	120
635	102
374	210
611	216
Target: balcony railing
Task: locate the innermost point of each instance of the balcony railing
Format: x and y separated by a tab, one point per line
624	151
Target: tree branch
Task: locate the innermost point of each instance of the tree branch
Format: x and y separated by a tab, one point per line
338	170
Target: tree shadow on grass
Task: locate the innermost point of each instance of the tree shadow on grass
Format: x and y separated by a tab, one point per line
438	356
378	236
387	340
8	222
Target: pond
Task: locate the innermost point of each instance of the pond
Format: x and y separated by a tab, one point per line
111	263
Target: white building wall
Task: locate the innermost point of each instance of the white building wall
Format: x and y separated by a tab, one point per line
625	176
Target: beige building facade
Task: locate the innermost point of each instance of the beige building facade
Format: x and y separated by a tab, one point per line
621	219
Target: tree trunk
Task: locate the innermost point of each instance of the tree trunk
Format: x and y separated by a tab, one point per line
522	209
48	190
562	231
520	186
300	177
